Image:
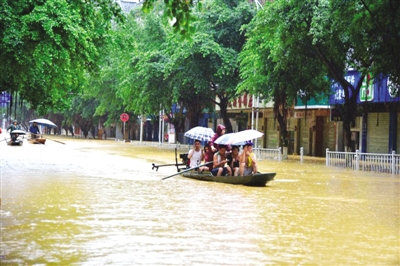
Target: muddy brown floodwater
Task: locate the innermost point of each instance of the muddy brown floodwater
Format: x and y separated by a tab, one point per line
89	202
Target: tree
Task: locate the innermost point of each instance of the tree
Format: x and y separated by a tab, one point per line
81	114
46	46
277	67
318	39
208	63
380	20
179	12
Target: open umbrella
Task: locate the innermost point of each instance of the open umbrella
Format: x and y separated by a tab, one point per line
239	138
227	139
200	133
19	132
43	122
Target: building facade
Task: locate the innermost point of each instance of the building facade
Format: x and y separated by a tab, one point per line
318	126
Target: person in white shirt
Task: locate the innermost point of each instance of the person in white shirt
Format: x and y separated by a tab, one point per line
196	156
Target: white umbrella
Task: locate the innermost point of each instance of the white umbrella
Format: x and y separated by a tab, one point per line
200	133
227	139
19	132
239	138
43	122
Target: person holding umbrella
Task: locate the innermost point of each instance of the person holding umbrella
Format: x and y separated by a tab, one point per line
248	160
34	130
220	131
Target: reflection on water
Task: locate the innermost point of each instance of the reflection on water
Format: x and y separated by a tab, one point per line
65	205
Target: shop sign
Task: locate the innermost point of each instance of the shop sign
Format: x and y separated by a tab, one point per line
367	89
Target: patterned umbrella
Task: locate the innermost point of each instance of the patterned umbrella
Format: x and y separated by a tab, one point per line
200	133
239	138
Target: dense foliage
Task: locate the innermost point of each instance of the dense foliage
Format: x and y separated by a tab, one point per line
70	56
300	45
46	46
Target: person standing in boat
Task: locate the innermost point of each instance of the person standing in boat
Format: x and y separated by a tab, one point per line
220	167
12	127
220	131
248	160
34	130
196	156
234	160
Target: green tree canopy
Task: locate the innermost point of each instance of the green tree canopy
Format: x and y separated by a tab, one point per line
207	64
297	45
46	46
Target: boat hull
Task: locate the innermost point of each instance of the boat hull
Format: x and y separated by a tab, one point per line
37	141
257	180
15	142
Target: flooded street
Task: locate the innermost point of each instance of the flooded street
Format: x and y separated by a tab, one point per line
89	202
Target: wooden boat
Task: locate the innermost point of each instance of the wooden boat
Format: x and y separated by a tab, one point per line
37	141
257	180
16	142
17	138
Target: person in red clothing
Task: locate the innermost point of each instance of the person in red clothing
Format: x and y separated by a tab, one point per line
208	155
220	131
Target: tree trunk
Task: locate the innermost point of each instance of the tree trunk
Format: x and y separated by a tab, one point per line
223	105
194	115
281	113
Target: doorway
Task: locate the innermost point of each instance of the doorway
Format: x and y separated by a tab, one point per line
355	140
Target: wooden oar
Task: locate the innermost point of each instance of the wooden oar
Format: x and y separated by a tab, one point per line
187	170
162	165
56	141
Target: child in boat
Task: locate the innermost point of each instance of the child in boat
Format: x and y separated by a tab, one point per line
196	156
234	160
248	160
220	167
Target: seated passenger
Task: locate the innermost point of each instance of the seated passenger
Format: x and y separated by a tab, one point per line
208	156
220	167
196	156
248	160
234	160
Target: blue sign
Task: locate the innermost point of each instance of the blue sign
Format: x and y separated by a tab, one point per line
176	109
385	91
5	98
338	92
378	90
